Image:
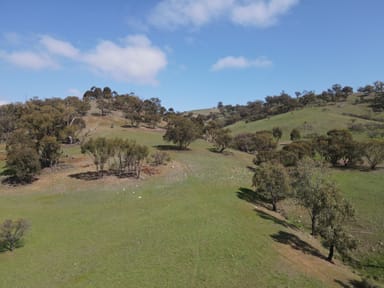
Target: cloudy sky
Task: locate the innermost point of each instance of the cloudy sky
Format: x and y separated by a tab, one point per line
189	53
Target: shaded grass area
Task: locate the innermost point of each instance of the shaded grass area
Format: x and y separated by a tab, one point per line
296	243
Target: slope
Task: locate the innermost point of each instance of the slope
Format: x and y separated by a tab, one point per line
182	228
310	120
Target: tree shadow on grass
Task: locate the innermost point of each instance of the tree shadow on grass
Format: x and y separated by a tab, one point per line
170	148
296	243
356	284
225	152
251	196
13	181
87	176
342	284
128	126
93	175
270	217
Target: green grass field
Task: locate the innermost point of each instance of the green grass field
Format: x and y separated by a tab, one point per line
184	227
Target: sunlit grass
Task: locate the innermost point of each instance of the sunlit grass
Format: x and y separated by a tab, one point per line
186	228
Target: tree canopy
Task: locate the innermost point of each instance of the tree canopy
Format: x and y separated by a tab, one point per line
271	181
181	131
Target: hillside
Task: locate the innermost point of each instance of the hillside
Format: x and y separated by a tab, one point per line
314	120
186	225
361	187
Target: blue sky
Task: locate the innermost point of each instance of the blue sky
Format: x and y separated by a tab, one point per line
190	54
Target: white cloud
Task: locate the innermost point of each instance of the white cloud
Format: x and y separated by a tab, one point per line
59	47
261	13
137	60
196	13
134	60
29	60
231	62
137	40
173	13
3	102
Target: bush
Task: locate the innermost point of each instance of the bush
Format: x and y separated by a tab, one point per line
296	151
50	151
254	142
160	158
295	135
23	160
181	131
266	156
23	164
12	232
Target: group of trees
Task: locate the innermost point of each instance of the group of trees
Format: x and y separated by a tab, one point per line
182	130
373	94
339	148
125	156
135	110
273	105
34	131
301	170
336	147
282	103
309	183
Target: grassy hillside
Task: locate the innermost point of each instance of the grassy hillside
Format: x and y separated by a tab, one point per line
310	120
363	189
184	227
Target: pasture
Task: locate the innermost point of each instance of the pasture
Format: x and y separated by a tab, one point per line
184	227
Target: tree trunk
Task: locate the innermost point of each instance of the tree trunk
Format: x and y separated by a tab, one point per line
331	251
314	224
274	206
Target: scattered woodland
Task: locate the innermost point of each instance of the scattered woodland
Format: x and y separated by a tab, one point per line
294	160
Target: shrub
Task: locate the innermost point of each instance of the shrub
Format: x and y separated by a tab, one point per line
295	135
296	151
160	158
23	161
12	232
252	142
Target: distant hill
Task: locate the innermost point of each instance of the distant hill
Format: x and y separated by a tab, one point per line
204	111
309	120
312	120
